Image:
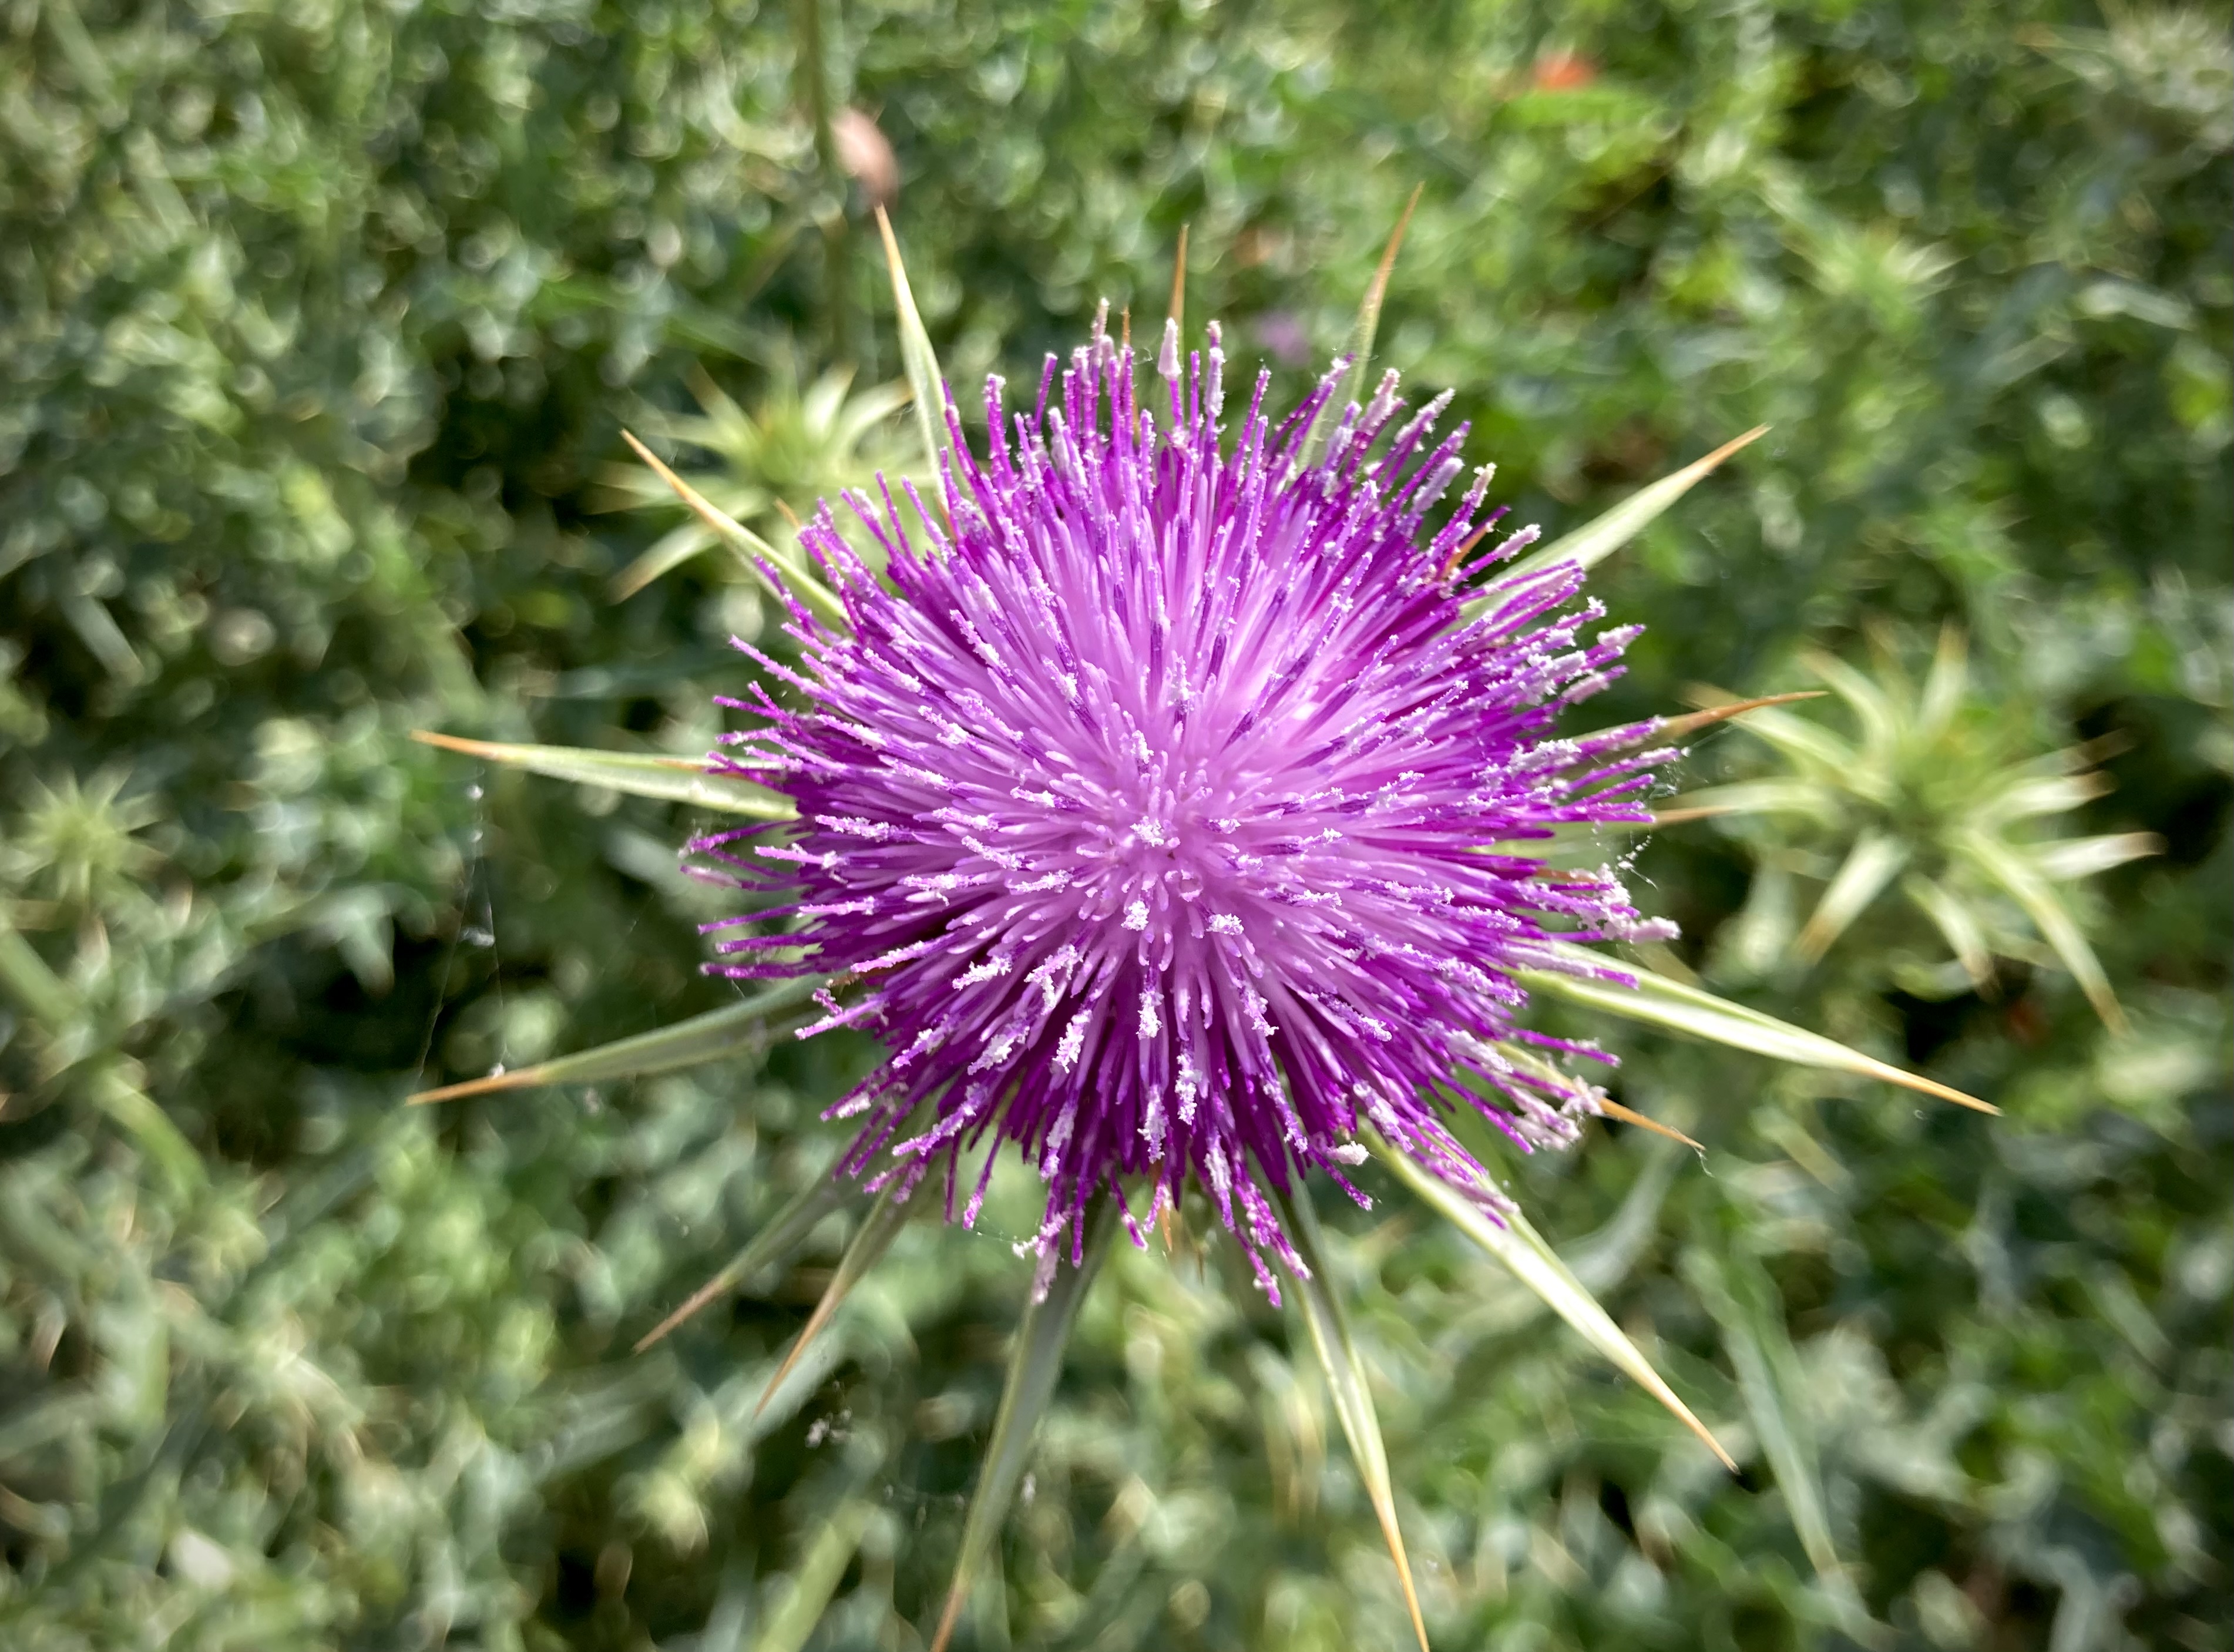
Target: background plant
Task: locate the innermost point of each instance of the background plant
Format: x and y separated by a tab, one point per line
318	324
1933	794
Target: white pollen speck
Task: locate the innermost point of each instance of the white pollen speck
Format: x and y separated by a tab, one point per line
1226	924
991	969
1074	1040
1151	1019
1136	916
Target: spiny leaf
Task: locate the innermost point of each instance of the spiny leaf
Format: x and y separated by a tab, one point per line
1691	723
1626	1115
1806	743
1522	1250
1346	1380
1871	864
1780	796
1546	1074
1562	844
1594	541
2034	796
882	1225
2044	907
668	553
1033	1367
1965	935
1178	310
135	1112
37	990
1361	338
1880	719
672	779
1761	1354
918	360
1745	797
1661	730
1774	1391
1944	685
711	1037
785	1232
1660	1002
799	580
816	1580
1369	311
2066	859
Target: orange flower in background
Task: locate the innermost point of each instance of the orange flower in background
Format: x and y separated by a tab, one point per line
1563	71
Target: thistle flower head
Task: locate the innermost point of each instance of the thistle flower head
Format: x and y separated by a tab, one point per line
1172	813
1176	804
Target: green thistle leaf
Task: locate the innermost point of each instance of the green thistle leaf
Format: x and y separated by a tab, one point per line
36	989
1817	751
1874	861
1346	1380
1535	1264
719	1034
1929	795
667	553
135	1112
791	449
799	580
1945	685
1596	541
1659	1002
1744	1304
1743	797
2027	886
1883	724
1666	730
817	1577
919	360
1361	338
1958	924
1033	1369
671	779
875	1235
771	1247
2071	859
2030	797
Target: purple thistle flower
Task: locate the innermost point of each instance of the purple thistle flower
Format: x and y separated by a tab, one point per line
1171	814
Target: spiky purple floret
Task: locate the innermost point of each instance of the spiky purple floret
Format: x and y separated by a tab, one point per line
1167	817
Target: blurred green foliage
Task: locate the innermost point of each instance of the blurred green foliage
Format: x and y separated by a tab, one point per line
1924	796
318	325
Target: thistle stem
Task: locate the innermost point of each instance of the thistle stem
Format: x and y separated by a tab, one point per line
837	264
